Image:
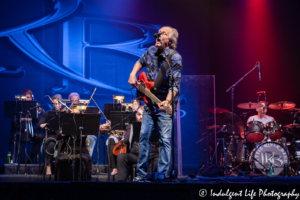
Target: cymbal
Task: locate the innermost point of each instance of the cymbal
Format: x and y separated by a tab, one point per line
292	126
282	105
225	119
216	110
250	105
213	126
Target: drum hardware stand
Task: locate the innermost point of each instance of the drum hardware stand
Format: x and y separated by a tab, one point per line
245	129
257	65
204	163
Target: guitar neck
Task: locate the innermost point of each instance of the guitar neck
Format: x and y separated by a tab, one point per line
149	94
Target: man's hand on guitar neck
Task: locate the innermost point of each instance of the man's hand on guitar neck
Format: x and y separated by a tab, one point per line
163	104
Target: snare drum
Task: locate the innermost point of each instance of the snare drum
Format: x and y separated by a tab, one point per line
274	129
255	131
267	153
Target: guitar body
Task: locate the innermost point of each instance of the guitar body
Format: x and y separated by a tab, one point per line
149	84
145	88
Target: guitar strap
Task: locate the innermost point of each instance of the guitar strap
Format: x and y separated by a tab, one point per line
162	71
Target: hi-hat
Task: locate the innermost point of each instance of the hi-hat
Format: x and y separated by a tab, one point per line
250	105
282	105
217	110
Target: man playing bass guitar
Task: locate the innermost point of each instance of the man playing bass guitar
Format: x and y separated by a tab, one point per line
155	60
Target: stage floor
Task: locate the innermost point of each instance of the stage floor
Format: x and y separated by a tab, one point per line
34	186
31	187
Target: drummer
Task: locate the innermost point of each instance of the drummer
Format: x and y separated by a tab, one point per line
261	116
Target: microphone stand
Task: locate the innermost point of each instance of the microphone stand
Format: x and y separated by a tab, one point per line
232	99
102	136
173	174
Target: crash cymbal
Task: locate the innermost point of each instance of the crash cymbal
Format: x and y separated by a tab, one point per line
213	127
282	105
250	105
292	126
216	110
225	119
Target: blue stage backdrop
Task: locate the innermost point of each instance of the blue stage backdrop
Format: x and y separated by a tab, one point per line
69	46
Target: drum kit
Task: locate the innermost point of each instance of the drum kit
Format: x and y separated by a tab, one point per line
257	146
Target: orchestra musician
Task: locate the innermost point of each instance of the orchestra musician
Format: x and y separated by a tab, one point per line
36	139
125	160
52	135
154	59
65	157
113	139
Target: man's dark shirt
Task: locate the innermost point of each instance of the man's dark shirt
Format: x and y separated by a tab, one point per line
153	62
135	144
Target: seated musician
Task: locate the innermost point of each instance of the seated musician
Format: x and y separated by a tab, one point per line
36	139
91	140
126	160
65	157
113	139
261	116
52	135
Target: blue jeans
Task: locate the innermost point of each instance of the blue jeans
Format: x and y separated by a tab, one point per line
164	122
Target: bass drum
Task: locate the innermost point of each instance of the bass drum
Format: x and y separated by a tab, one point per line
267	153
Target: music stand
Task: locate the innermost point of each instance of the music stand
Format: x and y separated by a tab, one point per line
108	107
117	118
23	109
136	131
80	124
92	110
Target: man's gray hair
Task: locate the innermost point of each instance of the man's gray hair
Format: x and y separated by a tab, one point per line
173	37
73	94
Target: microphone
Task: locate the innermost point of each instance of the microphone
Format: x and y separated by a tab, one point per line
258	65
157	35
